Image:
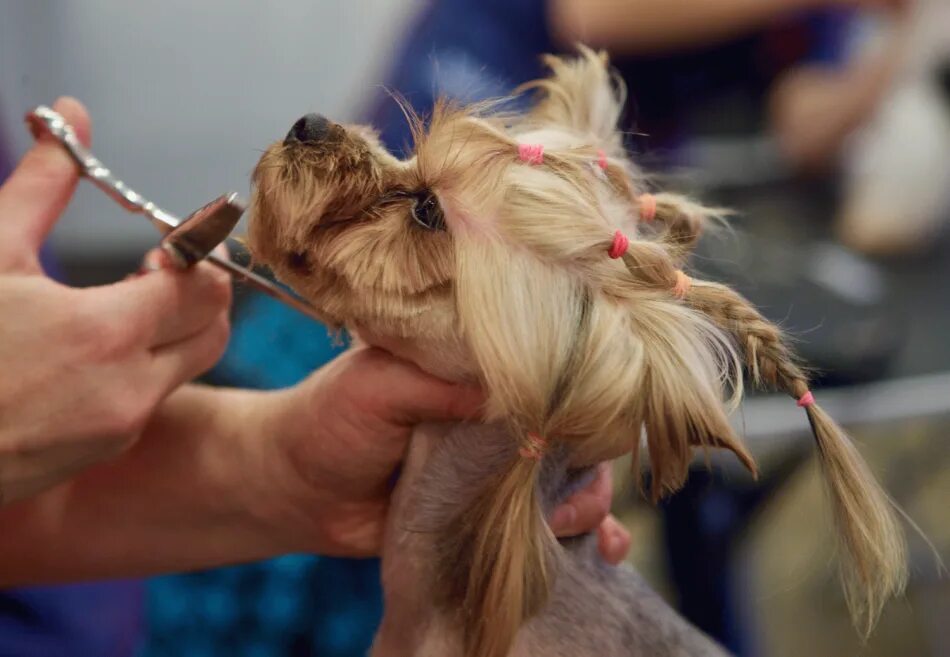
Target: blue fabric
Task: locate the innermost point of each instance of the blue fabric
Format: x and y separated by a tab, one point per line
466	50
293	606
94	620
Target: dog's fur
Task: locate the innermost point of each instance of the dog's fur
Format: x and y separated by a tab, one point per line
516	292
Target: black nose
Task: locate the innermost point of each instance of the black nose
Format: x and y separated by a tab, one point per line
311	127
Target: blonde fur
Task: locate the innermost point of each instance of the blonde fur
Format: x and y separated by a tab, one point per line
874	560
586	351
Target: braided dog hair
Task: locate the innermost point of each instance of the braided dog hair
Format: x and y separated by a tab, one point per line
688	335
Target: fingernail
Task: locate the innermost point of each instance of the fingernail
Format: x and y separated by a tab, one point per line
154	260
222	252
563	518
613	545
615	549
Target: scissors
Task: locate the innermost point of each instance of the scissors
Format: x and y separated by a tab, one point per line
187	241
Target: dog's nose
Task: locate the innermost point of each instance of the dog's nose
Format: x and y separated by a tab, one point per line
311	127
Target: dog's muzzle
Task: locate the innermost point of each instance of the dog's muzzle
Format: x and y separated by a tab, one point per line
312	128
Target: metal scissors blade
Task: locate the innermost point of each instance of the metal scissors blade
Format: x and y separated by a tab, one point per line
187	241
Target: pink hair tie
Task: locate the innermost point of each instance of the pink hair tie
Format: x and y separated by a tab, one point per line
647	207
683	283
806	400
619	246
534	450
602	160
531	153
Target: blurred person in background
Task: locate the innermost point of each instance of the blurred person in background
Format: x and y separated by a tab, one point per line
671	56
897	170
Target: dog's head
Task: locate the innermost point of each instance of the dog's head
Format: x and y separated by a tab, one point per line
515	247
354	230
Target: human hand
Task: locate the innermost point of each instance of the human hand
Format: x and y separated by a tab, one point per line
343	433
589	509
82	370
874	5
899	5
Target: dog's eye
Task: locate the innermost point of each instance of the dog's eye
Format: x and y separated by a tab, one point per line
427	213
298	262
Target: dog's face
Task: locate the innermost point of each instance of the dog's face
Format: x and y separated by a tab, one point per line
354	230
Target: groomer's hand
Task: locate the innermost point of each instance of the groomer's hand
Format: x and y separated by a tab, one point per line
343	433
81	370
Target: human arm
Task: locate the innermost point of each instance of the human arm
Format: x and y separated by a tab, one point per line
626	27
82	369
217	478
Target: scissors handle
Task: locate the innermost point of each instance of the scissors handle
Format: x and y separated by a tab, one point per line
44	120
186	246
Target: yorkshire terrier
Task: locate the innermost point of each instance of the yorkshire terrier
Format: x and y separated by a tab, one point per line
522	252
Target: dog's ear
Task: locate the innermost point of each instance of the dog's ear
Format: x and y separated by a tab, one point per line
678	401
581	94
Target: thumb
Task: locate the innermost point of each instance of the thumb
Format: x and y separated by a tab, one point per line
37	192
407	395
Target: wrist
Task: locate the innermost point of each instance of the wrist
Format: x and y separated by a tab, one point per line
268	484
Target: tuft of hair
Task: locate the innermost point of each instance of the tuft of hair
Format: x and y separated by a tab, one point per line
685	222
687	366
873	560
875	564
508	551
581	95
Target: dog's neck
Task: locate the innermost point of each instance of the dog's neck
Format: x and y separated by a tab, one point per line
445	357
444	471
406	570
412	626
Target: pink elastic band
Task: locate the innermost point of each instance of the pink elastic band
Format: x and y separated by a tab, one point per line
683	283
806	400
535	448
602	160
531	153
647	207
619	245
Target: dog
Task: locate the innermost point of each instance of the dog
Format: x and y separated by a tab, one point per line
520	251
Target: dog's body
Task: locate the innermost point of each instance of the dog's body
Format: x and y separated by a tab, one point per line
517	252
596	610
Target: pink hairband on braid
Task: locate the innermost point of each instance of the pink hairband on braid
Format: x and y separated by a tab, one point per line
647	207
619	246
682	286
534	450
602	160
531	153
806	400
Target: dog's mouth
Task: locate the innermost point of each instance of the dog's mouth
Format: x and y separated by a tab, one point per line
350	228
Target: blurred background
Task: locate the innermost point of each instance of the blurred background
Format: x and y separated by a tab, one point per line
824	123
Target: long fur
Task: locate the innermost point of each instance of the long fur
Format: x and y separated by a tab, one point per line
519	294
